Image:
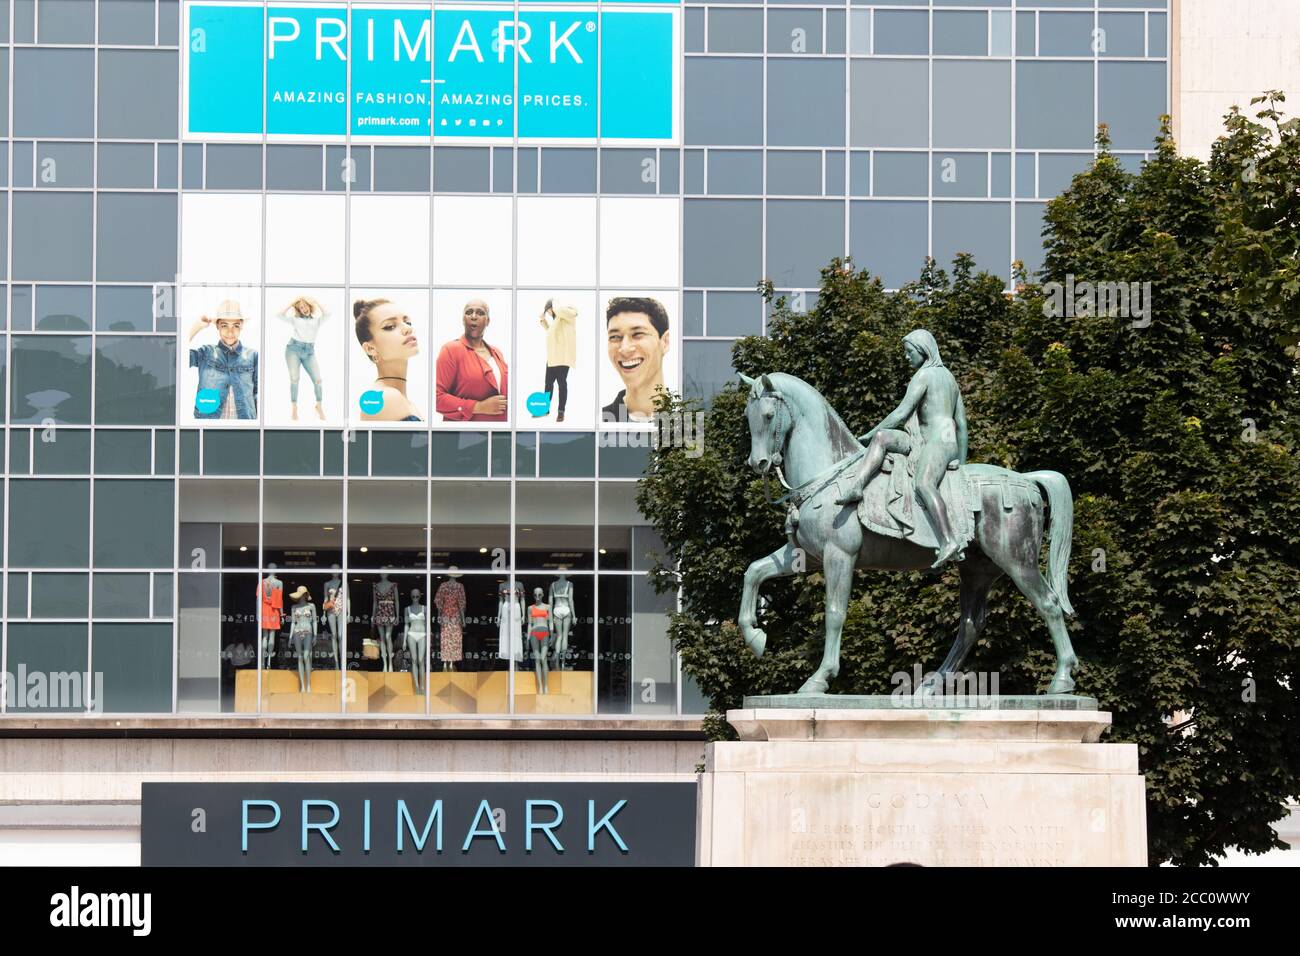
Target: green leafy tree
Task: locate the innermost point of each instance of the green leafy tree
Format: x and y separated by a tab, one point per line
1178	426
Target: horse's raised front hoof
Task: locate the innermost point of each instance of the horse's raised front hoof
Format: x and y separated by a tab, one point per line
756	639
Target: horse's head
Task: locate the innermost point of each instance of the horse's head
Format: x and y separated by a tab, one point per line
770	420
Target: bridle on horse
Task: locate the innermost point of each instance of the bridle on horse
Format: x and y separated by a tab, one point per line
797	496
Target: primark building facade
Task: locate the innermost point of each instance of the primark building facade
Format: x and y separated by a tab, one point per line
331	332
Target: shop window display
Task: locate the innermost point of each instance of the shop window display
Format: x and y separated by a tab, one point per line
556	675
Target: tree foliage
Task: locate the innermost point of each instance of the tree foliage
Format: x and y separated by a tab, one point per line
1179	437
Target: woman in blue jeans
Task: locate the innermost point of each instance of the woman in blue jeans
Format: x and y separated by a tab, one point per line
305	314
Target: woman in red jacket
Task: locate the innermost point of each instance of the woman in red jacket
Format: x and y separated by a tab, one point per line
472	376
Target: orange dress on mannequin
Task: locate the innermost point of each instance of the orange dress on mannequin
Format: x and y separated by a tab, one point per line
272	603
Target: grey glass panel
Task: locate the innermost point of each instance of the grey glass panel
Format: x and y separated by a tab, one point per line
1026	34
860	173
231	452
1055	170
164	453
189	452
836	32
1123	34
135	380
792	84
1065	34
980	228
292	453
902	32
735	31
1131	98
961	174
343	168
568	455
889	238
834	185
623	461
58	651
464	169
55	228
68	166
24	21
192	166
21	297
460	454
402	168
20	450
126	22
234	166
694	175
133	523
627	171
162	595
525	169
500	442
503	169
138	91
358	452
53	93
972	103
706	368
1157	35
63	451
292	167
123	308
568	170
1054	105
891	103
66	21
121	452
49	523
332	460
17	584
694	30
693	313
1026	176
51	379
169	20
126	165
737	172
1130	162
400	454
794	173
136	237
794	31
136	661
723	242
900	174
24	157
860	31
802	238
735	313
122	595
63	308
525	454
724	101
961	33
1000	176
1000	33
60	595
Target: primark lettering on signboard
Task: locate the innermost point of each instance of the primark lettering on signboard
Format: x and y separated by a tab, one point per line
414	71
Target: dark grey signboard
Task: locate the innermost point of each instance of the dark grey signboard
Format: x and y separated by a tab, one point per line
418	824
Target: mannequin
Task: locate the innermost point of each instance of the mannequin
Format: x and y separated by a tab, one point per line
383	615
335	610
417	632
450	601
510	622
270	602
561	598
539	636
303	627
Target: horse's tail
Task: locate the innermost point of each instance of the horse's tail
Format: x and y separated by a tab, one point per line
1061	504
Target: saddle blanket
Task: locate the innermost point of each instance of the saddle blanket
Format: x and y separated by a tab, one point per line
890	507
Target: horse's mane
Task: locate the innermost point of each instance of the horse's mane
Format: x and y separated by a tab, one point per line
843	441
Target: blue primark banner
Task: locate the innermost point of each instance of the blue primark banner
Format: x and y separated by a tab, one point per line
418	824
460	71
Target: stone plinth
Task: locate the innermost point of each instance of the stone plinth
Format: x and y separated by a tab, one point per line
936	786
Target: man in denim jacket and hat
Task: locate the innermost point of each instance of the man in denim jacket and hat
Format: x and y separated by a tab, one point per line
227	369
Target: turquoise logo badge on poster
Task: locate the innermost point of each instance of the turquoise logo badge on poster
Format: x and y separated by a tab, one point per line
413	71
372	402
539	404
207	401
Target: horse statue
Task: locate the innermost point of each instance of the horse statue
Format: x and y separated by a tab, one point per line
795	433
